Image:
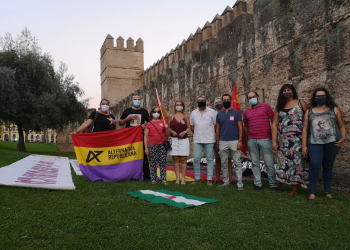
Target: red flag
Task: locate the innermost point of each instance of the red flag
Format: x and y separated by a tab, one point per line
162	109
235	105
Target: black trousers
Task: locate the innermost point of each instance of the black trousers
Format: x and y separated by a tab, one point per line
146	172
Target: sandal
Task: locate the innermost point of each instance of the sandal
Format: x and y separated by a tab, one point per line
329	196
165	183
294	192
177	181
183	182
310	199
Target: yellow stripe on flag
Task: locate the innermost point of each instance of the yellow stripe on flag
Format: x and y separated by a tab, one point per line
109	155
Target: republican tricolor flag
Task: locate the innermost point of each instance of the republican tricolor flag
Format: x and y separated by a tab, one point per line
112	155
175	199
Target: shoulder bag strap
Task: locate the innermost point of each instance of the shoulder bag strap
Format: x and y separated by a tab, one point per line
157	130
92	125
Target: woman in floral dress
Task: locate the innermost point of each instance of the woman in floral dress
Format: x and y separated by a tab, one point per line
287	131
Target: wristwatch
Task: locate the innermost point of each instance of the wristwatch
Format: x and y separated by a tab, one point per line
185	132
239	139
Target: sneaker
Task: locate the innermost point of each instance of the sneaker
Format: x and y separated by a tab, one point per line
196	182
216	182
209	183
240	188
231	183
274	189
257	188
224	185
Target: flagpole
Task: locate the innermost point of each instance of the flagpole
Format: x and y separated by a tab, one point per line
158	100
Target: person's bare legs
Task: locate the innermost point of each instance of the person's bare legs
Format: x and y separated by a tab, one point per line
295	189
176	160
183	161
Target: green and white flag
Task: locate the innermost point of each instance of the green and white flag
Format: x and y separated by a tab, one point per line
175	199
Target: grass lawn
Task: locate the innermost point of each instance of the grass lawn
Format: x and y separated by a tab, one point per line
102	216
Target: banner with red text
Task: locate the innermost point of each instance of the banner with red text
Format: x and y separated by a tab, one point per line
38	171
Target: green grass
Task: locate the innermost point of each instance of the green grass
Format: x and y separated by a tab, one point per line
101	216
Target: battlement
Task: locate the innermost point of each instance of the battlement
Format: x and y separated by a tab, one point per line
193	42
130	45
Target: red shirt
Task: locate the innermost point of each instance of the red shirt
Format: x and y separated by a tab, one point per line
258	121
153	136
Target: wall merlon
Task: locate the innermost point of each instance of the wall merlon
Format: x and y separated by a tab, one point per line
120	42
239	8
207	31
216	24
139	45
130	43
197	39
183	49
108	43
190	43
177	53
227	16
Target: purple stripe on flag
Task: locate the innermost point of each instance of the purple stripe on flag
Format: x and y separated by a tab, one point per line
114	172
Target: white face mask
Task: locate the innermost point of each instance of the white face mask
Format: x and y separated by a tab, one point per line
179	108
156	115
104	108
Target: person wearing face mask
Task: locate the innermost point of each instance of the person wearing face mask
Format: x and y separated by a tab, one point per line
102	120
202	122
179	127
257	127
156	132
323	134
229	132
219	107
287	130
134	116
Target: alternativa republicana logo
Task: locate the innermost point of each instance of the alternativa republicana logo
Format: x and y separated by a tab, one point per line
93	155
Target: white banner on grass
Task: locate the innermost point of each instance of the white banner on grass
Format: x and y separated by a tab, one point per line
38	171
76	167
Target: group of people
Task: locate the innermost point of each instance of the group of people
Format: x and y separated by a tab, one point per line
306	138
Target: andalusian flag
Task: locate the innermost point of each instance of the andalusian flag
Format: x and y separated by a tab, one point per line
175	199
235	105
110	156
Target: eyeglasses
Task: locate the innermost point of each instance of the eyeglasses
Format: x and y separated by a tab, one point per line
318	96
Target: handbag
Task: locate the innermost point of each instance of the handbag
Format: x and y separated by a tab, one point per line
166	144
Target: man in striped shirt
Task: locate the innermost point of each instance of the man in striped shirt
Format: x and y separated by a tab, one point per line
257	127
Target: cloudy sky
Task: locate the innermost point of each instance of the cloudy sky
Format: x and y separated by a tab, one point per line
73	31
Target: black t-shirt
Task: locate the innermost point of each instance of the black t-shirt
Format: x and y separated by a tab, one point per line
103	122
141	113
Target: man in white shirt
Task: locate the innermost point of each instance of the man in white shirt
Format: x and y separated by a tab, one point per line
203	121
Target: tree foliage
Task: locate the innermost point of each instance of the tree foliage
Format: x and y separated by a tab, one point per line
33	95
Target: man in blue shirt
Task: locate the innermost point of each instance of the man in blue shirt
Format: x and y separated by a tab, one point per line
229	132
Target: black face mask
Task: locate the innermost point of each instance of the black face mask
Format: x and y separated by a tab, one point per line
218	106
287	95
226	104
201	105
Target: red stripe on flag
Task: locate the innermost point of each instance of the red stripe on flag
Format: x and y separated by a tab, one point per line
235	105
103	139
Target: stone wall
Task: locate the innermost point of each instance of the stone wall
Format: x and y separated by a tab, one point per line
259	45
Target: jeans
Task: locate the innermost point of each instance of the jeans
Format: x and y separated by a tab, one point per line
322	155
230	148
197	155
263	146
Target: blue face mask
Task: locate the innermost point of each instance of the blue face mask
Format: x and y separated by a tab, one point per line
321	100
137	103
253	101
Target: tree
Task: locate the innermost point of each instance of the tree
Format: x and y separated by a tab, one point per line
33	95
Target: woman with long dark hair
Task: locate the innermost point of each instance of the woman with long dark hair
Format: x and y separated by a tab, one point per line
156	132
179	127
323	134
287	131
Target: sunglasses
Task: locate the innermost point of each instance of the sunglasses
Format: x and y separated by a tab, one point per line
156	112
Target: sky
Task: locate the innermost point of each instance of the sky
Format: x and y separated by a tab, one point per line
74	31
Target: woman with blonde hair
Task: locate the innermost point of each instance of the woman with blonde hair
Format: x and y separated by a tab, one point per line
179	127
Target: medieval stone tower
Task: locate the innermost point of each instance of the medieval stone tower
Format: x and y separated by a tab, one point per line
121	68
